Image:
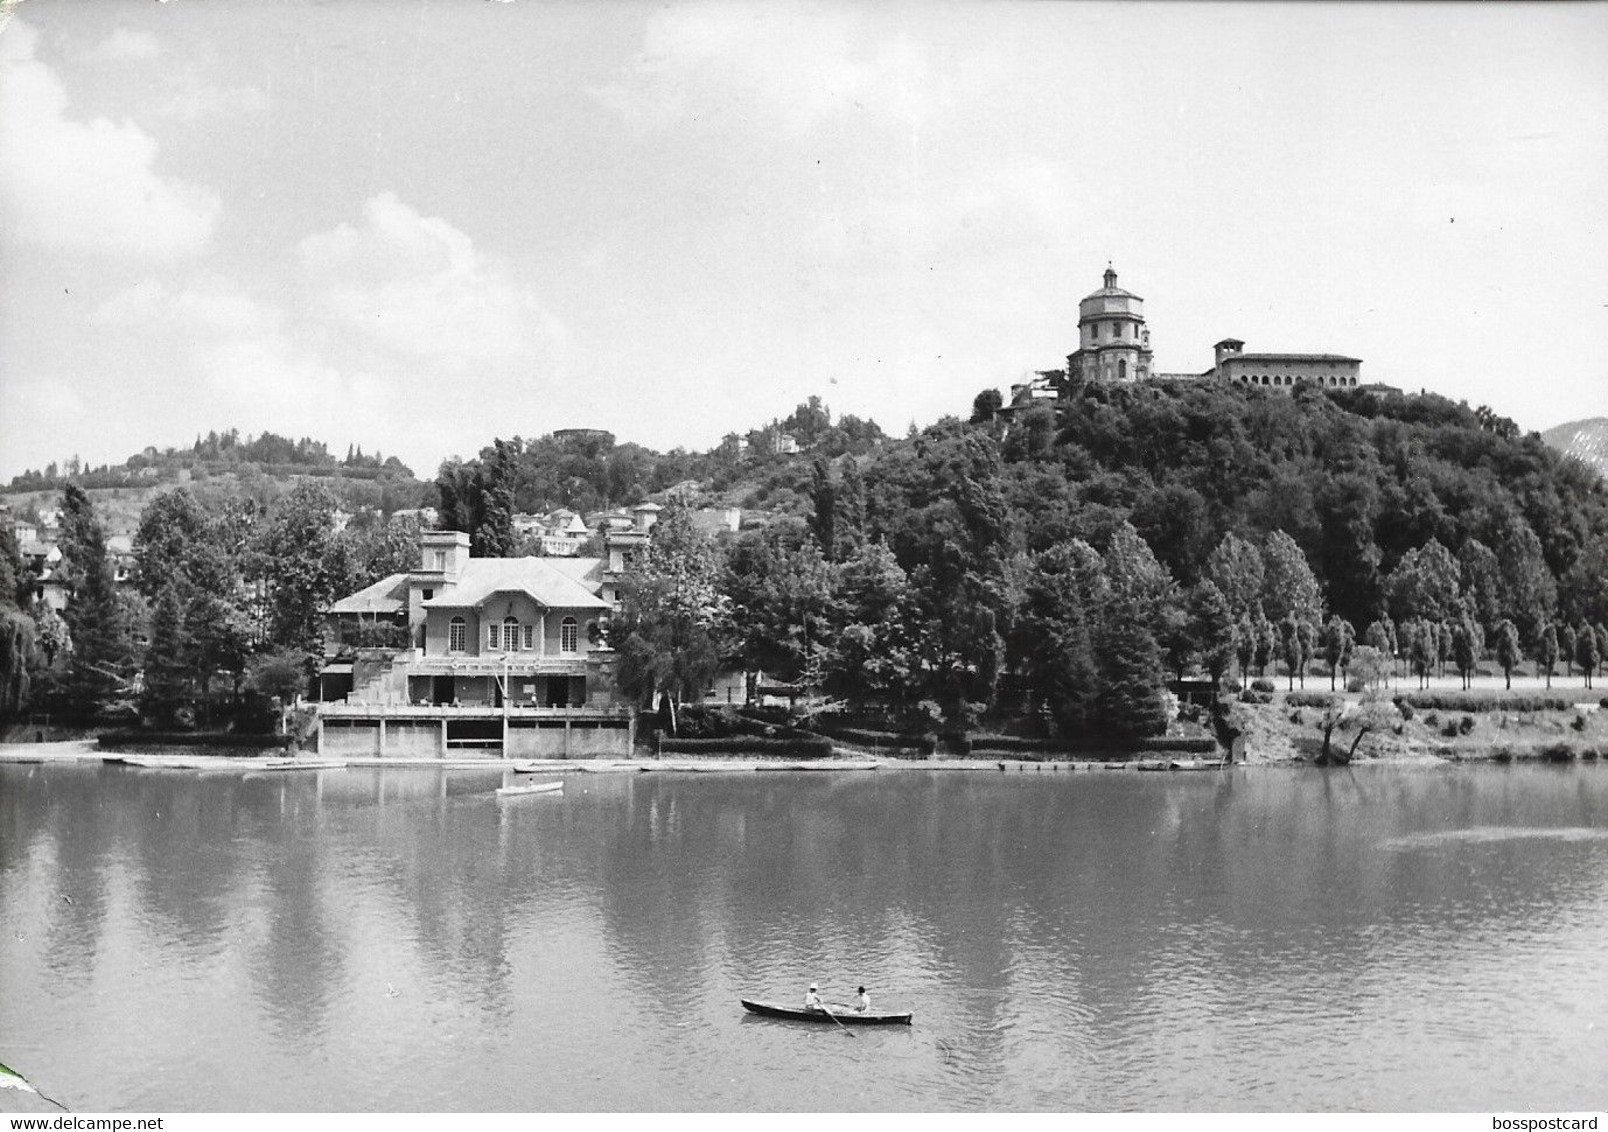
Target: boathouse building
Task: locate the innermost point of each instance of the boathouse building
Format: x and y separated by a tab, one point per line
465	654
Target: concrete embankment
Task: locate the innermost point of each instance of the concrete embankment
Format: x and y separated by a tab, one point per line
848	760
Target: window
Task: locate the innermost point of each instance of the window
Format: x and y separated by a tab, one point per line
455	635
1122	369
438	560
510	633
530	636
428	594
567	635
493	636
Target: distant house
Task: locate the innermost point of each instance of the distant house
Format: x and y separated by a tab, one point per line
426	517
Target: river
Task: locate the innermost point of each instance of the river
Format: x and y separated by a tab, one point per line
1384	938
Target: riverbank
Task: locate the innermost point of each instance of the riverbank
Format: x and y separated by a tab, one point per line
1290	731
85	750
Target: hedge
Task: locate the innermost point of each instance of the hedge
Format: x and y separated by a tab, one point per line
136	738
1311	699
1486	701
816	748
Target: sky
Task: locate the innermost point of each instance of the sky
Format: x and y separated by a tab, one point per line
416	225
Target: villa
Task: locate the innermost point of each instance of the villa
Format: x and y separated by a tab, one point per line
464	652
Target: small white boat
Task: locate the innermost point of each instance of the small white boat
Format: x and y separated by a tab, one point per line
533	788
299	764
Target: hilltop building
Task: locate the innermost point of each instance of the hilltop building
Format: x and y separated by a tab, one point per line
1114	347
1113	341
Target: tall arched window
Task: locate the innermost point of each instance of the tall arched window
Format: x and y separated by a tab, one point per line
567	635
455	635
510	633
1122	369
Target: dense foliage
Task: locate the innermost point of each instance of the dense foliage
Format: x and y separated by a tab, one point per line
1048	564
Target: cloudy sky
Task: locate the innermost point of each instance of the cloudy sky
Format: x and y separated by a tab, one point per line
418	225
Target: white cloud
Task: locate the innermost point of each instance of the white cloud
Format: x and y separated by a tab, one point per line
123	45
207	307
792	63
86	186
193	99
415	285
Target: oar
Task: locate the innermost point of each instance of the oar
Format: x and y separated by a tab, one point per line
839	1021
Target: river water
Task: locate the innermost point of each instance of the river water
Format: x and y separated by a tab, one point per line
1258	939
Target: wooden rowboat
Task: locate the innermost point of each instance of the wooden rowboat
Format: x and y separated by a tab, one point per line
848	1015
533	788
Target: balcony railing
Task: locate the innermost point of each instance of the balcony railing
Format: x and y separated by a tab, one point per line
398	710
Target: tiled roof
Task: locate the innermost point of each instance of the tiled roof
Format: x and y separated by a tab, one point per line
552	585
388	595
1290	358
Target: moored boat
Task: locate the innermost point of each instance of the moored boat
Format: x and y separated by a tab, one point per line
839	1011
533	788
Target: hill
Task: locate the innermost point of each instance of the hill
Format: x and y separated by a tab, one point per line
1586	441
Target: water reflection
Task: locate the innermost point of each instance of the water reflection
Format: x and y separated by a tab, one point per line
399	938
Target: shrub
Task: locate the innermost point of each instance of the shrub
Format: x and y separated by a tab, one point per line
1297	718
1589	754
1557	752
1488	701
1578	723
1406	709
1310	699
1465	725
1450	730
1430	720
1261	685
1255	697
1229	684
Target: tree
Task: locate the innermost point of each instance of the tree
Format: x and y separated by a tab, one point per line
1338	639
1369	667
1568	643
1372	713
1211	626
1267	640
1463	649
1547	659
1306	637
823	515
669	630
167	662
1245	645
301	566
1050	641
1289	586
782	601
1425	583
102	652
1381	640
1508	652
1481	581
1587	654
1130	702
1236	568
986	405
1422	651
493	535
1290	646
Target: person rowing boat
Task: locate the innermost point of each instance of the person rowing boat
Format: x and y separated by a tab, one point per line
812	998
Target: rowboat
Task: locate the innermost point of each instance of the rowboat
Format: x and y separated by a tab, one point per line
842	1012
533	788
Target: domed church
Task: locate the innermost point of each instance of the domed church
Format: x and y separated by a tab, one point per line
1113	341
